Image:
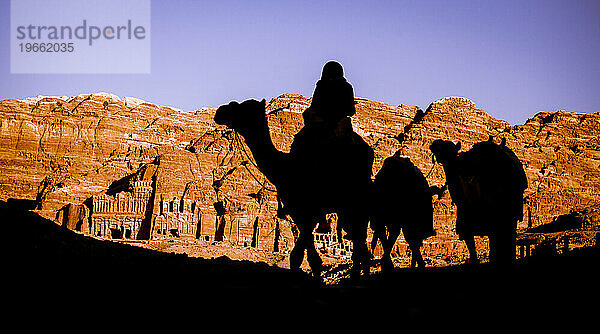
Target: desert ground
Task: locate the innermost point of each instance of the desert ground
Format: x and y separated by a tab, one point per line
87	277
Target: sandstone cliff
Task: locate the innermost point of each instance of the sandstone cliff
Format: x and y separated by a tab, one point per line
60	150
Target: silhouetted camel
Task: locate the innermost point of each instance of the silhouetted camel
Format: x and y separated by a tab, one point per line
327	170
401	200
486	183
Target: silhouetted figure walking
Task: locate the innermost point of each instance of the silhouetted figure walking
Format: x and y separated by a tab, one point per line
401	200
486	183
327	170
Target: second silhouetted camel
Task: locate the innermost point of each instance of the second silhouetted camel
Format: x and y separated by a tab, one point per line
401	200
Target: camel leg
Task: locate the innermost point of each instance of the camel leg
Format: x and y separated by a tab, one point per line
379	231
378	235
358	222
360	258
315	262
416	257
297	254
394	232
355	224
511	244
493	242
313	257
470	242
502	247
306	243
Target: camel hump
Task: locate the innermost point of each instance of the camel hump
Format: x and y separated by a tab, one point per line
401	181
495	165
400	169
402	196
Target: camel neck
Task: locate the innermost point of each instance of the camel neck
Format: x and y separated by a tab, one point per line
268	158
450	169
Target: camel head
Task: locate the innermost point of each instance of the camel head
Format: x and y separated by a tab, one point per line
444	150
242	117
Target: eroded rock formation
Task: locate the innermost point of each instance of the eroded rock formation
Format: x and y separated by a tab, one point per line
61	150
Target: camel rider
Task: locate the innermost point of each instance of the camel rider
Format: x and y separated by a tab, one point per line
333	154
332	103
327	123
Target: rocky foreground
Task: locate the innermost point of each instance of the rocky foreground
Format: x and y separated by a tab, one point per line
64	279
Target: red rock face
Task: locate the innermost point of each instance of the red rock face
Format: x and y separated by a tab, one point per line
561	151
85	142
64	150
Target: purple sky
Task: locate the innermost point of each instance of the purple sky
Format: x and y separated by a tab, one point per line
512	58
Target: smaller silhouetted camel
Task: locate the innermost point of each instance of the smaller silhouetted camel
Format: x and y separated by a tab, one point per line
401	200
486	183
